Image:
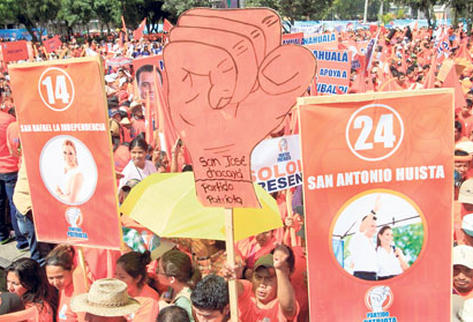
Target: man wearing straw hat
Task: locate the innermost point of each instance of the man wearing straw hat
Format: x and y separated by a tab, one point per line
107	300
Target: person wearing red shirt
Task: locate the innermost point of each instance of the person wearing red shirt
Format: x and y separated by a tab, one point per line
60	272
137	121
8	177
270	295
466	117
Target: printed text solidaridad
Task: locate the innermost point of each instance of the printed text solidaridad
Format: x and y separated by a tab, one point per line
343	179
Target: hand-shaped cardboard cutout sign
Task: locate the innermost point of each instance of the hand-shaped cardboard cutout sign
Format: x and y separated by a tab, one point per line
230	83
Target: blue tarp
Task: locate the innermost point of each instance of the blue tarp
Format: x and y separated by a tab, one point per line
18	34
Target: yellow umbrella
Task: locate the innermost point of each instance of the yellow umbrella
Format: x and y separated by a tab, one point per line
166	204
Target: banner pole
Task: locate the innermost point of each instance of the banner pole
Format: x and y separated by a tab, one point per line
80	258
292	231
230	247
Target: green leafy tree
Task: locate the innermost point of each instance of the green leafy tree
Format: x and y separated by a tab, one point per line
154	13
176	7
74	12
461	9
294	9
354	9
133	11
31	13
426	6
108	12
410	239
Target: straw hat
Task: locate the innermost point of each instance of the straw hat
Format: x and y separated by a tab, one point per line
106	297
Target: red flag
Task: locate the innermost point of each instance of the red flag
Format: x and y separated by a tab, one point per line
14	50
138	32
167	25
448	75
373	29
52	44
429	81
463	50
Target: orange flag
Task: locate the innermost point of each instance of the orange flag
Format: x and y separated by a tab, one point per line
138	32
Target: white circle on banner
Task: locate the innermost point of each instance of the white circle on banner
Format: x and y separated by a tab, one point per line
388	130
60	178
56	89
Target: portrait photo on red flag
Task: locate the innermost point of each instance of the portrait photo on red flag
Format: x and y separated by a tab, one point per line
65	139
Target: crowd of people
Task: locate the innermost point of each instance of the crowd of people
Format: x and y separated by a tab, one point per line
154	278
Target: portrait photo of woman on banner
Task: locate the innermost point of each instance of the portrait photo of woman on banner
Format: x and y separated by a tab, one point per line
68	170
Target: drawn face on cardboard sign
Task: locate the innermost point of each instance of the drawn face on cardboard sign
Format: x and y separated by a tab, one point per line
231	82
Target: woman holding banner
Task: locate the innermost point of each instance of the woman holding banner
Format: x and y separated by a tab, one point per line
391	260
69	190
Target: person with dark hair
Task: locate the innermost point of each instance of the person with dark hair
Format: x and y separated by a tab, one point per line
8	177
177	277
210	299
131	269
147	77
209	255
465	116
458	132
362	248
59	271
173	313
270	295
391	260
26	279
462	163
138	167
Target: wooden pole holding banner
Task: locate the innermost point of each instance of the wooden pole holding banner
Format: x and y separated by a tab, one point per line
80	258
292	231
230	247
109	264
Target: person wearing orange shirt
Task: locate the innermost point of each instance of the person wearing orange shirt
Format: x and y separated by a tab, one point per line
8	177
59	271
270	295
26	279
253	248
131	269
466	117
137	121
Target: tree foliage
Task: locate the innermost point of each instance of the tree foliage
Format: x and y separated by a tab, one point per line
410	239
73	12
31	13
294	9
176	7
108	12
353	10
426	6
